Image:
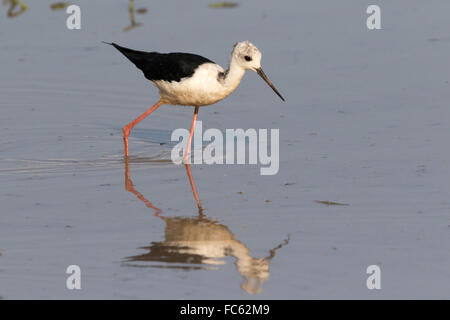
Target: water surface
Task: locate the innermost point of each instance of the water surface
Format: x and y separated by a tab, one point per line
365	124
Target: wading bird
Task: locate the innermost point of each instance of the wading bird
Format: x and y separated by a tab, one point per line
191	80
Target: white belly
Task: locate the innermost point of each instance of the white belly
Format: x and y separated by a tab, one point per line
202	89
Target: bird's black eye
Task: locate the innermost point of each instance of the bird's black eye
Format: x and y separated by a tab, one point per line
248	58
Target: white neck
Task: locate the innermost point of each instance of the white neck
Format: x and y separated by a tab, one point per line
233	75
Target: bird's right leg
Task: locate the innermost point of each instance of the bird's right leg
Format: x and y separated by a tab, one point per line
191	133
128	127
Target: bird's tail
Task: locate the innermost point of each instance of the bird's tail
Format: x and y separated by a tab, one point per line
137	57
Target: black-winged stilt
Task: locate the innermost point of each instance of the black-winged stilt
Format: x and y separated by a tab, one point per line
192	80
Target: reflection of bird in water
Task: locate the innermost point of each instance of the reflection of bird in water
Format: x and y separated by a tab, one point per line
196	242
13	4
192	242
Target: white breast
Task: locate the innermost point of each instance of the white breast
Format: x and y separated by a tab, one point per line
203	88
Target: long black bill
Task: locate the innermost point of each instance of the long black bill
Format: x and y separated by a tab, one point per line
266	79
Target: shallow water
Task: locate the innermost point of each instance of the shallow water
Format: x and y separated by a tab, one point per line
365	124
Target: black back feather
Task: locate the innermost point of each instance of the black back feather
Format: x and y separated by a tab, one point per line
164	66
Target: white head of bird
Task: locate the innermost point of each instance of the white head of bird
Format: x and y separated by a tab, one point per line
246	56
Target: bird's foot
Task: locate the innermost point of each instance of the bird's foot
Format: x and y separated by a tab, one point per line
126	133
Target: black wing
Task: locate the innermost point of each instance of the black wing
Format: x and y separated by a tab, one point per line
163	66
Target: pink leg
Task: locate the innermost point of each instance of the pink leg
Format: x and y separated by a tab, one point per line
130	187
194	189
128	127
191	133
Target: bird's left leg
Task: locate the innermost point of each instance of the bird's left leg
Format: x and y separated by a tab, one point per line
191	133
128	127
